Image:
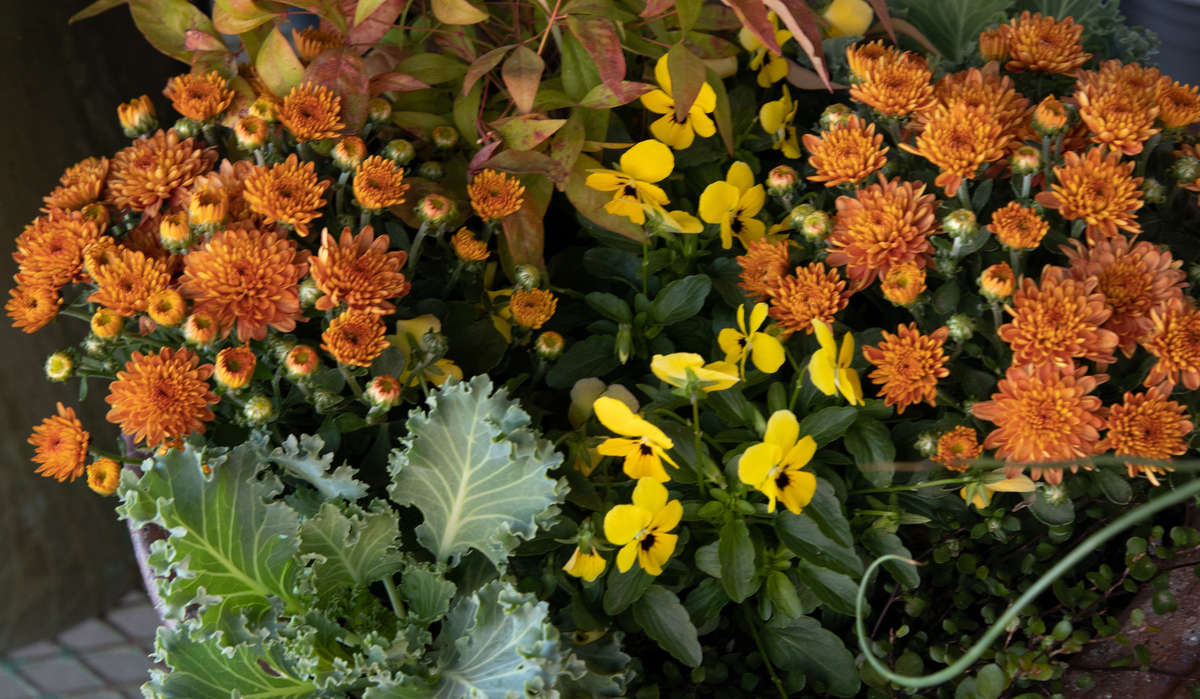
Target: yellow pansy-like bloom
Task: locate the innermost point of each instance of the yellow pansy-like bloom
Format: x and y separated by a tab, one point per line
641	529
588	566
747	342
643	446
683	222
848	18
632	185
830	370
683	368
777	118
413	332
676	134
980	493
771	68
734	203
773	466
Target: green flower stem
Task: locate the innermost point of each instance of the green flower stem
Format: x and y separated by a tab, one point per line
1026	183
1070	561
1015	257
964	197
364	219
762	651
350	380
1047	162
913	486
105	454
1147	152
394	597
414	252
72	313
645	262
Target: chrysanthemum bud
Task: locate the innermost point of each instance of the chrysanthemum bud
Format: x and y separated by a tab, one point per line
436	345
444	136
309	293
349	153
208	207
200	329
399	151
174	232
137	117
258	410
384	391
1186	169
1153	191
167	308
235	367
251	132
435	209
103	476
960	223
549	345
1026	160
797	215
468	247
781	180
903	283
279	346
106	324
60	366
526	276
96	212
961	327
187	128
95	346
997	282
301	361
992	44
431	170
265	109
1050	117
379	110
324	401
926	444
835	115
816	226
1055	494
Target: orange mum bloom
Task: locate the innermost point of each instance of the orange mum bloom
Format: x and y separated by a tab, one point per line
958	139
908	366
106	324
137	116
1019	227
532	308
230	178
1058	321
903	283
286	192
894	84
79	186
200	329
359	271
167	308
147	172
495	195
848	153
468	247
50	250
810	292
199	97
884	224
992	44
862	58
312	42
311	112
1040	43
1134	280
32	306
161	398
208	206
986	90
246	277
1100	189
355	338
1043	413
997	281
378	184
1119	105
127	281
1050	116
1178	105
957	448
763	267
1175	340
1147	425
235	366
103	476
61	446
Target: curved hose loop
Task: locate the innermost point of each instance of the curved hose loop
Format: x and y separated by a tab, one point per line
1069	561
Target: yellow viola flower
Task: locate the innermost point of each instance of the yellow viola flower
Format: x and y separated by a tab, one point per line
417	331
747	342
774	465
642	529
679	135
778	119
682	222
643	446
632	185
980	493
682	369
830	370
848	18
771	68
734	203
588	566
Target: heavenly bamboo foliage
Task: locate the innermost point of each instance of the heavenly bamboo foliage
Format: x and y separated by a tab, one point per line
476	472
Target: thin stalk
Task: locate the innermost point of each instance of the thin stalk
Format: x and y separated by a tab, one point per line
697	440
414	253
913	486
350	380
394	597
1015	258
105	454
645	262
762	651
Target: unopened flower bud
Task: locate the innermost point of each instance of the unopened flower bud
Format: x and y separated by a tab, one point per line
926	444
1050	117
265	109
174	232
235	367
208	207
961	327
797	215
166	307
308	293
324	401
436	345
60	366
946	265
301	361
104	475
251	132
992	45
349	153
137	117
960	223
96	212
997	282
835	115
526	277
431	170
623	346
1055	494
187	128
399	151
549	345
94	346
1153	191
200	329
106	323
379	110
816	226
1186	169
258	410
279	345
1026	160
384	391
435	209
444	136
781	180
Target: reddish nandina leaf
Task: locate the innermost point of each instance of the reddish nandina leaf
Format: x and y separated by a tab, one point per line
522	73
687	73
599	38
709	47
525	132
656	7
164	23
373	26
567	144
601	97
526	162
196	40
806	30
277	64
483	65
805	79
881	11
524	239
908	29
457	12
394	82
238	16
753	14
480	159
342	71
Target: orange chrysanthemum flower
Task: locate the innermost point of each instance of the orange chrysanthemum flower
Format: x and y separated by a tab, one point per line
106	324
235	366
1018	227
894	84
1119	105
311	112
200	329
958	139
1175	340
1058	321
1097	188
229	178
903	283
1178	105
358	270
137	116
957	448
1042	414
468	247
812	292
848	153
50	250
61	446
312	42
167	308
127	280
246	277
199	97
908	366
207	206
984	89
884	224
1134	280
32	306
862	58
287	193
532	308
80	185
763	267
103	476
355	338
1039	43
147	172
993	46
378	184
161	398
495	195
1147	425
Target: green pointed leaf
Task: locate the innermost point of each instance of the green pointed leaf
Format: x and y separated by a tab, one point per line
802	643
521	73
476	471
496	642
426	593
354	550
364	9
951	25
596	669
203	666
623	589
826	510
835	590
663	618
804	537
827	424
680	300
591	357
277	64
736	552
869	441
882	543
301	457
94	9
165	24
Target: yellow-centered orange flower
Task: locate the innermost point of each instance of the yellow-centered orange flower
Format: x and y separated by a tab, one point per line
50	250
60	446
359	271
287	193
147	172
1178	105
1174	340
642	529
642	446
1050	116
763	267
957	448
1043	413
908	366
103	476
903	283
80	185
532	308
1148	425
775	465
378	184
199	97
495	195
161	398
984	89
884	224
468	247
1039	43
1119	105
235	366
311	112
1018	227
862	58
355	338
128	281
1058	321
894	84
312	42
32	306
848	153
1098	189
166	307
106	323
811	292
958	139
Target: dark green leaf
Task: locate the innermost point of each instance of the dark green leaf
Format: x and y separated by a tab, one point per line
1049	513
663	618
705	601
827	424
804	537
870	443
1115	487
680	300
592	357
882	543
610	306
802	643
623	589
945	299
826	510
736	552
835	590
991	682
782	594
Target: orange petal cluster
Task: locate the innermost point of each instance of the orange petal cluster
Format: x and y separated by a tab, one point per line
495	195
50	251
358	270
1148	425
893	83
847	153
810	292
311	112
148	171
1036	42
763	267
1174	340
1058	321
908	366
161	398
1178	105
32	306
60	446
378	184
958	138
1099	189
1119	104
957	448
1018	227
355	338
80	185
126	279
882	225
199	97
286	192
